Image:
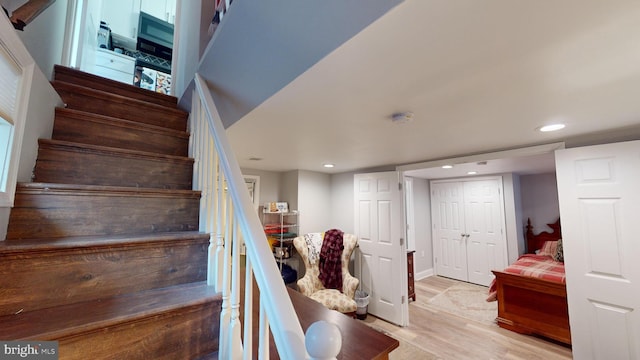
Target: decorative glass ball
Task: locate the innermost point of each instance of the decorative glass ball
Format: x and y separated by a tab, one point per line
323	340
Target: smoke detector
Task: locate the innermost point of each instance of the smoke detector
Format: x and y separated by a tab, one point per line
402	117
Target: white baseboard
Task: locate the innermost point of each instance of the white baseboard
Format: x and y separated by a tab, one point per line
424	274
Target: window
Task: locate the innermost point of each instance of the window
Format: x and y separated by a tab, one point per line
16	72
6	137
11	75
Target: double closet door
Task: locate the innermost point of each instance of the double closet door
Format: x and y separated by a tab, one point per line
468	229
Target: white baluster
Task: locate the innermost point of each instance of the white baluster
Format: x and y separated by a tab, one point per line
323	340
235	340
214	277
225	313
211	261
220	212
248	310
263	345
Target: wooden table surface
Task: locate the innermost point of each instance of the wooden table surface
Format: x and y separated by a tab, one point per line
359	341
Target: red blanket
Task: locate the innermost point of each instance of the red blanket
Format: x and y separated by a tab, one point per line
330	265
537	266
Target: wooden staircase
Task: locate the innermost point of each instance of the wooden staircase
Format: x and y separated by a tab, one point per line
103	252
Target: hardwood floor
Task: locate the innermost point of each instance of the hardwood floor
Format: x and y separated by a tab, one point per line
448	336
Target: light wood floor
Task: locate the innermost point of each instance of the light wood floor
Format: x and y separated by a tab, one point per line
449	336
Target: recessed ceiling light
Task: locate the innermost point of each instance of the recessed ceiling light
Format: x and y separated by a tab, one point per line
447	166
472	172
328	165
253	158
552	127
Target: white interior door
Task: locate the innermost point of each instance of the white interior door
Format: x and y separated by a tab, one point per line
378	225
484	225
599	206
447	204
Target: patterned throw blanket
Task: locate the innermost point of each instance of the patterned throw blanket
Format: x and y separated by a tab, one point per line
330	260
314	245
537	266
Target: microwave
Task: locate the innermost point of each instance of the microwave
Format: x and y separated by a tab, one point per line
155	36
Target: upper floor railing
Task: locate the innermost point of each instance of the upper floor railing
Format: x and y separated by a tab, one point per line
221	6
28	11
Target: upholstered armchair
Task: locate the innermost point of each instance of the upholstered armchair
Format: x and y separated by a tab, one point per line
311	286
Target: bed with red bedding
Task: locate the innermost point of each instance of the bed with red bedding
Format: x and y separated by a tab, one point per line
531	293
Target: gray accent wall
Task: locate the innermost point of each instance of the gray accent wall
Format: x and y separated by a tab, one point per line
267	44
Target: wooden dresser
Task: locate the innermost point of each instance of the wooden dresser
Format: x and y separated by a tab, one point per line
410	276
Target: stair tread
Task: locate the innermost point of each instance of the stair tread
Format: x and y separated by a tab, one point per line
65	320
88	116
124	107
66	279
106	83
113	150
79	242
211	356
57	84
93	189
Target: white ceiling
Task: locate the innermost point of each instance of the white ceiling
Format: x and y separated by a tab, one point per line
479	76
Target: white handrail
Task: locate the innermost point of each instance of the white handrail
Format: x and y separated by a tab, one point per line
239	212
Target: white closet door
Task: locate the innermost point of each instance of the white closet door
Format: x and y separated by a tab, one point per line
449	229
468	229
484	224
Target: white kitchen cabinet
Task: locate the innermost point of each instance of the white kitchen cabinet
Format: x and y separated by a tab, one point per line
114	66
171	11
122	16
162	9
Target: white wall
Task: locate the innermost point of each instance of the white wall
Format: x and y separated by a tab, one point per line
269	184
513	216
12	5
42	103
88	37
42	98
186	47
423	257
539	200
314	201
342	207
289	188
44	36
4	221
39	124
